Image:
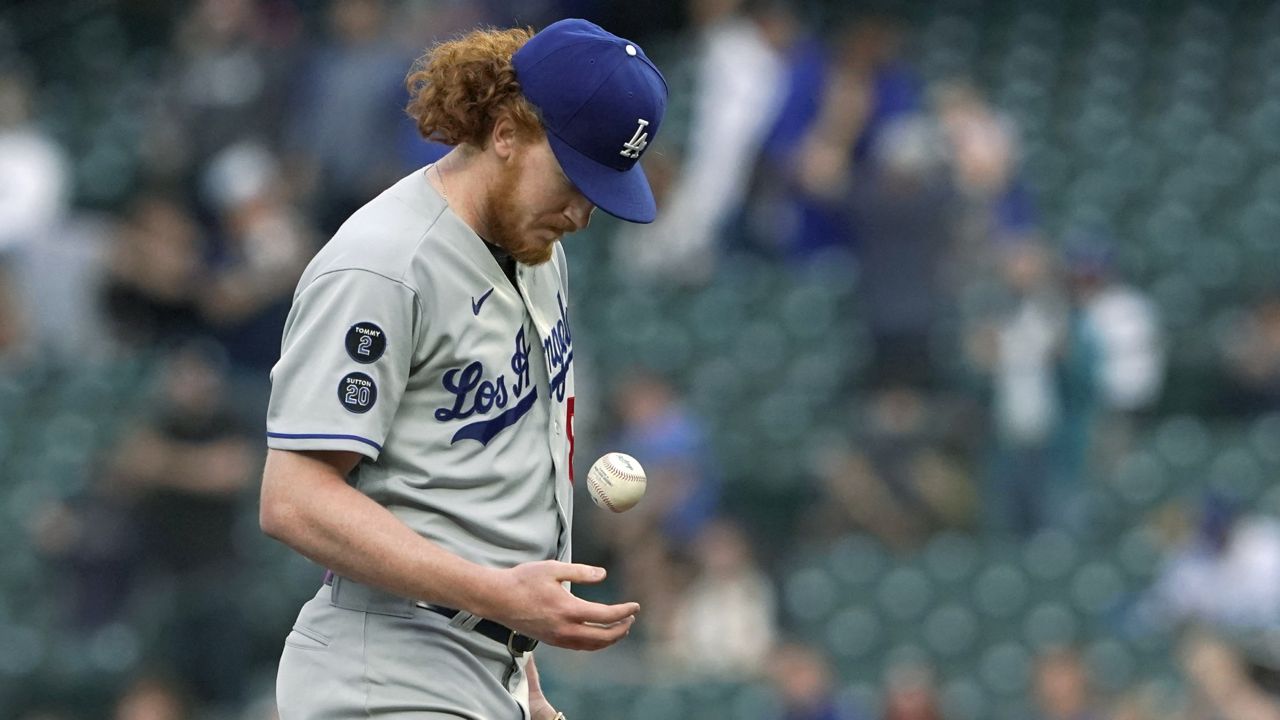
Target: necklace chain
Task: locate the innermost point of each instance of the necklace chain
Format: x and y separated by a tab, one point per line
444	192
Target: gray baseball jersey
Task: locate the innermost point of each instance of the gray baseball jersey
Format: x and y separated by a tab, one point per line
408	344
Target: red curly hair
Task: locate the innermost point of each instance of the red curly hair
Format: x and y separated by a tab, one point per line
459	88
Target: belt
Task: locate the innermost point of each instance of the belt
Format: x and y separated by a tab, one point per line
373	600
518	644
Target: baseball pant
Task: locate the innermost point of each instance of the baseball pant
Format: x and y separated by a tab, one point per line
356	652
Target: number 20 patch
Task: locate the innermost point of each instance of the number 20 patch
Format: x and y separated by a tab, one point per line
357	392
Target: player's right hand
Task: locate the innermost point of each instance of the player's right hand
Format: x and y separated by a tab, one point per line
531	599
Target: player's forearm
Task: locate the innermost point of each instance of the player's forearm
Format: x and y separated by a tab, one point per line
307	505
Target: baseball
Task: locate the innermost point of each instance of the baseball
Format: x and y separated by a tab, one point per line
616	482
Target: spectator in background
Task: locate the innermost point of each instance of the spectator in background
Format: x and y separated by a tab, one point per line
724	622
984	156
1123	329
911	694
803	679
1221	688
1062	689
895	480
815	150
1019	348
660	431
683	495
223	78
155	273
161	521
1225	575
34	193
186	471
740	81
903	209
152	697
1251	349
351	104
265	244
424	23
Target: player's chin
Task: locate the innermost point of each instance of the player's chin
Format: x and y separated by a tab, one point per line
534	253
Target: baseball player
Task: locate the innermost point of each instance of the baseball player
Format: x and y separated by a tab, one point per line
421	417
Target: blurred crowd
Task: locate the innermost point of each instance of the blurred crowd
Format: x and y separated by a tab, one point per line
1010	369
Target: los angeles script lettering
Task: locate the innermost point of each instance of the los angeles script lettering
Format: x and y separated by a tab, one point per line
473	393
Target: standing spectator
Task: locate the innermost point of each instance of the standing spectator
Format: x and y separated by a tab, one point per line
155	274
984	154
1121	324
34	194
903	209
738	91
264	243
350	105
1020	348
223	79
1251	350
185	472
862	84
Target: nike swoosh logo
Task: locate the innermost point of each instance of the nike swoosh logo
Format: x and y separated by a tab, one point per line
475	304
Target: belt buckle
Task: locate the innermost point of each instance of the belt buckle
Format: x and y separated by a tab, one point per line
511	640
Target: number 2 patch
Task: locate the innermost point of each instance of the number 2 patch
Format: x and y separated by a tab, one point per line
357	392
366	342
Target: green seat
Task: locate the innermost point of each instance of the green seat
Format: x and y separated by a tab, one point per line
1005	669
905	594
1097	587
857	561
810	594
1183	441
1050	554
853	635
1265	437
752	702
965	699
1000	591
951	557
1051	624
950	630
1139	553
658	702
1111	664
1237	473
1141	480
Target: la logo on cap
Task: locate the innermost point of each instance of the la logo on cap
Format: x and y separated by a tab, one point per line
636	145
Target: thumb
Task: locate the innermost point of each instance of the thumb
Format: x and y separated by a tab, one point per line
579	573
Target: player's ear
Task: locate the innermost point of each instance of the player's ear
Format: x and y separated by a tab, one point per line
504	136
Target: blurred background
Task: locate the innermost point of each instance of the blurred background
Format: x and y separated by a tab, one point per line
953	356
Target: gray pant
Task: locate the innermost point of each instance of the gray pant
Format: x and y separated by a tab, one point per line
356	652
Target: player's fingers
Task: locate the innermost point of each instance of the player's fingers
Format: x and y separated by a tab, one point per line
584	611
579	573
596	637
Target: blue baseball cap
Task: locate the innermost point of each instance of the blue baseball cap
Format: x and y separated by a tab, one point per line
601	101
